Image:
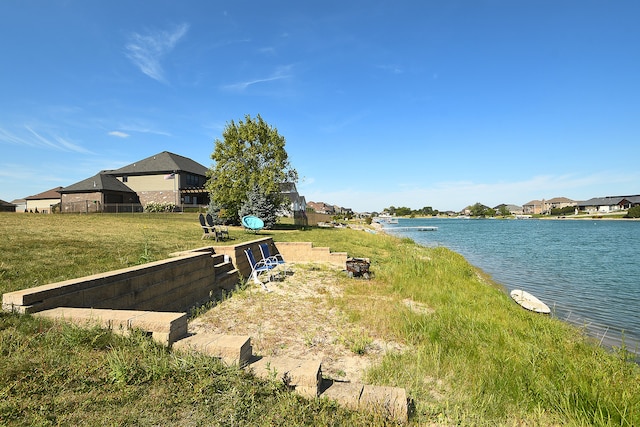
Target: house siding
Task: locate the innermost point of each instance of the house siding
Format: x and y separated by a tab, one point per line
155	188
42	205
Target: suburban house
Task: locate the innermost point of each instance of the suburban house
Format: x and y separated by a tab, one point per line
608	204
43	202
544	206
166	178
342	211
298	202
557	203
21	204
100	193
321	208
513	209
7	207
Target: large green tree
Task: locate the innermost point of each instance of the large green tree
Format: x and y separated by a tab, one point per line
251	155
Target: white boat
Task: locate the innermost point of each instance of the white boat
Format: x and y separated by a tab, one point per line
528	301
385	219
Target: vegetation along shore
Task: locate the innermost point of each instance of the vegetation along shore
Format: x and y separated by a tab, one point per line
464	352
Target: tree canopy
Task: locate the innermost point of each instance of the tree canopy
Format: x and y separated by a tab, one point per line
250	157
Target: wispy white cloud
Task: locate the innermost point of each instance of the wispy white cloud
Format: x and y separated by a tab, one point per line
11	138
33	138
147	50
142	128
281	73
119	134
67	145
57	142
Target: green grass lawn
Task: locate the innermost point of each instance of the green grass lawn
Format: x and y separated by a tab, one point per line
473	357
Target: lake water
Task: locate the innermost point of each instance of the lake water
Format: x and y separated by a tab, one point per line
586	271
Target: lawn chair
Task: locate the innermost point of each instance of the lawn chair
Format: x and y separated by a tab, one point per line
259	268
208	230
224	232
273	259
214	228
252	223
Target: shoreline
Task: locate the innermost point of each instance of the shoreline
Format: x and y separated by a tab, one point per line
599	331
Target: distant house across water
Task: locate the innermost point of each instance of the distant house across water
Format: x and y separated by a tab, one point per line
610	204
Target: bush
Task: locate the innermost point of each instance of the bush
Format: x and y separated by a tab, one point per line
633	212
156	207
567	210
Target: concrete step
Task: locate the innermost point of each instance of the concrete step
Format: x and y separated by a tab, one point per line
232	349
164	327
228	280
389	401
223	267
303	376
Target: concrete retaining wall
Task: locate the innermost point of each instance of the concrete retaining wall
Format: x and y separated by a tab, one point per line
290	251
173	284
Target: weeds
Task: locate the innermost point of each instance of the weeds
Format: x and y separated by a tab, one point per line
357	341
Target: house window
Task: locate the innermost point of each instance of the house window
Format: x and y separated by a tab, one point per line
193	180
125	178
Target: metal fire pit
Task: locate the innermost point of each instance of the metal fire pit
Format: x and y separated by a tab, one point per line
358	267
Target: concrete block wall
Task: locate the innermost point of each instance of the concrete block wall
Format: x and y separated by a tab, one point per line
173	284
290	251
305	252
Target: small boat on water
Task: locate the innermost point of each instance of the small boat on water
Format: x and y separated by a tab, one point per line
385	219
529	302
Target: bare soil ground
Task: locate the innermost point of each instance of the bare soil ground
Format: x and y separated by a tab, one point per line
298	318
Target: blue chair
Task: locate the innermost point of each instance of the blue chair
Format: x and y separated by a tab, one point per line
252	223
273	259
259	268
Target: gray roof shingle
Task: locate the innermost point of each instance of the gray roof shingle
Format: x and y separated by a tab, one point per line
97	183
164	162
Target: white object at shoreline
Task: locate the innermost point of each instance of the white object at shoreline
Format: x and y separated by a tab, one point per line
528	301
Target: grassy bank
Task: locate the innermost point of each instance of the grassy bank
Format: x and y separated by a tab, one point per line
472	356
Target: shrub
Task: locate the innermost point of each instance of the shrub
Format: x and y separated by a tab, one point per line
633	212
156	207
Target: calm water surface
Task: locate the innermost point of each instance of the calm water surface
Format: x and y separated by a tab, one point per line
587	271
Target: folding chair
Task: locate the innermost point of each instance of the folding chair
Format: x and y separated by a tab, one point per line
259	268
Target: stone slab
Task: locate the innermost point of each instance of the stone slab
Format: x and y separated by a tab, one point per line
232	349
346	394
391	401
304	376
165	327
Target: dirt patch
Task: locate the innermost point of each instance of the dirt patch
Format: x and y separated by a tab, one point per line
299	318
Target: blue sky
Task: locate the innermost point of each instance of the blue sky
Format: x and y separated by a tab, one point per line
382	103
